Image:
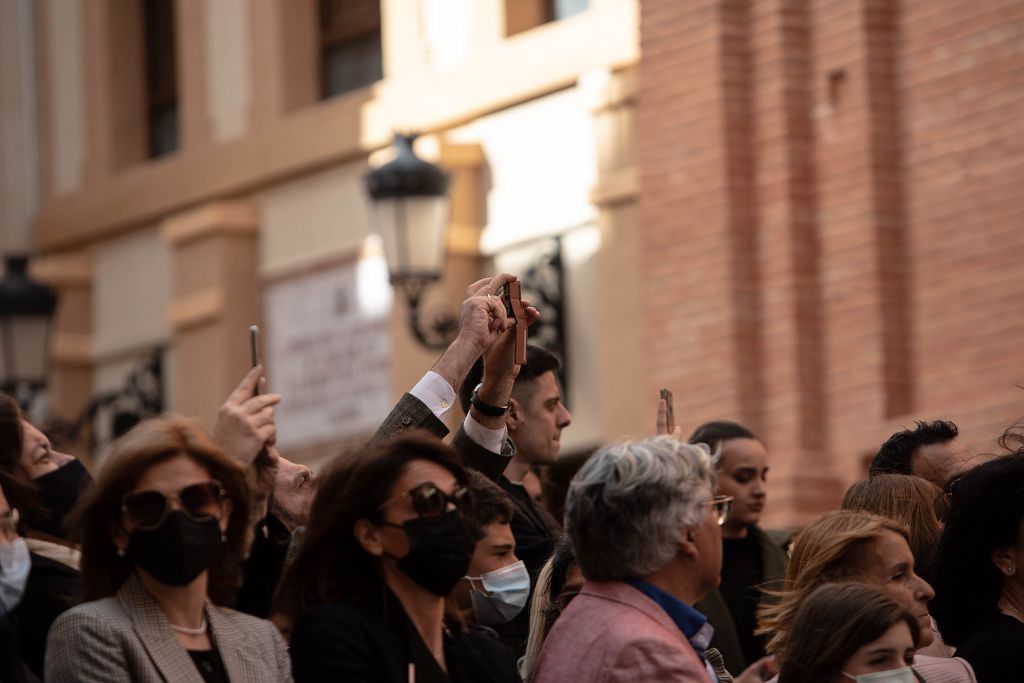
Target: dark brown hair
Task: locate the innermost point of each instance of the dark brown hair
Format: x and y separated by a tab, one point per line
916	502
490	505
14	479
99	511
835	621
330	565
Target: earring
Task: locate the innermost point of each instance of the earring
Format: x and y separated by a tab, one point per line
223	537
120	552
1010	570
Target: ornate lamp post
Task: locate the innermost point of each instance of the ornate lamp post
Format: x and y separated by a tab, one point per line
411	206
26	311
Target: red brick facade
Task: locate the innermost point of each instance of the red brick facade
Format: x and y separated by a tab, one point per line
832	223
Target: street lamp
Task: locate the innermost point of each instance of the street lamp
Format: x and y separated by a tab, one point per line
26	310
410	199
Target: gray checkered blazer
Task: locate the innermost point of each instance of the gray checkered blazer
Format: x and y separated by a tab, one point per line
127	638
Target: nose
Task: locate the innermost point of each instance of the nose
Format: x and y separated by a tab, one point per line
924	590
758	489
566	418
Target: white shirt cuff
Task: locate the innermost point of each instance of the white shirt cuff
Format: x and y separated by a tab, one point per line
435	393
491	439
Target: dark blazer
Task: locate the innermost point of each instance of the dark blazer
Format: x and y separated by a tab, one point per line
411	413
773	562
127	638
995	648
53	587
373	642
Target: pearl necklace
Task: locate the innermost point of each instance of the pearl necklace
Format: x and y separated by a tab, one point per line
190	631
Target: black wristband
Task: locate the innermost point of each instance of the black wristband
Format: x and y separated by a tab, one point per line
487	408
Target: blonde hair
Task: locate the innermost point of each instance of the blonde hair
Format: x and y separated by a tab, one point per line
916	502
541	618
831	549
544	608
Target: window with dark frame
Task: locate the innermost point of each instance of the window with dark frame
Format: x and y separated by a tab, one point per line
350	45
161	77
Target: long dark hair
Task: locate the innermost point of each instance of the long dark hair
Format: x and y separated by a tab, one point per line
835	621
99	511
985	513
330	565
15	481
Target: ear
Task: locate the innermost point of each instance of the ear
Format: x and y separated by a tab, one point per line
1004	561
514	416
688	544
366	536
118	536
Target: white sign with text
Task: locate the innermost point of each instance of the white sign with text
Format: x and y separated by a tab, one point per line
328	352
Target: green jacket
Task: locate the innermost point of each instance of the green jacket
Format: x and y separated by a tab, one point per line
773	561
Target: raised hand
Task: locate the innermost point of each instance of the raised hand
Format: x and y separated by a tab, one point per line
245	422
661	421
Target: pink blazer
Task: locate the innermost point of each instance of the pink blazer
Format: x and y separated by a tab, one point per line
612	632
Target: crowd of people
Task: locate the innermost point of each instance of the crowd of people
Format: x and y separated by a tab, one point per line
208	557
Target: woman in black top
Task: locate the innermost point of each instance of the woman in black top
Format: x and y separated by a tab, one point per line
384	545
751	557
978	574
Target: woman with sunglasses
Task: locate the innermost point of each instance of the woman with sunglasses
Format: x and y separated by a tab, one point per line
163	529
384	545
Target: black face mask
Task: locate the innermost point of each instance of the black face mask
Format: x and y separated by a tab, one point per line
58	492
439	552
178	550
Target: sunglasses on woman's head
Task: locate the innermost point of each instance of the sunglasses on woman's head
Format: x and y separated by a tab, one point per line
430	502
147	509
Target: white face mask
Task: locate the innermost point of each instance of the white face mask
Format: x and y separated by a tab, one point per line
507	590
904	675
15	564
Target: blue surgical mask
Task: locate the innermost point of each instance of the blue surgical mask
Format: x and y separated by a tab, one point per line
15	563
904	675
505	592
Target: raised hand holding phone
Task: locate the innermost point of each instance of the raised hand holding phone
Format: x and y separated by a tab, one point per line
512	296
665	422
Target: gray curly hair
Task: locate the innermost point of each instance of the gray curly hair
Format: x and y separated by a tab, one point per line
628	504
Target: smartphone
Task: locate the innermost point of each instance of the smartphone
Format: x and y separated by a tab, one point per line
506	298
670	411
254	349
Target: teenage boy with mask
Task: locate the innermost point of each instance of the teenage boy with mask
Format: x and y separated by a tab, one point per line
496	586
525	402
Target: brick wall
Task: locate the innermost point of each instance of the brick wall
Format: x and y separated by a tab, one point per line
831	217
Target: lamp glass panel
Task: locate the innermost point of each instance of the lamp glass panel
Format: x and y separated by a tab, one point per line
414	233
23	348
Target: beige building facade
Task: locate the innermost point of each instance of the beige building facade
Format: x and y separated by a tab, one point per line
191	181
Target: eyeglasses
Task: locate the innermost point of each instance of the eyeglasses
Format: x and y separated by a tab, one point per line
147	509
430	502
722	506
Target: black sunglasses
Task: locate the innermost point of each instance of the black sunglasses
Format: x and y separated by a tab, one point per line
147	509
430	502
